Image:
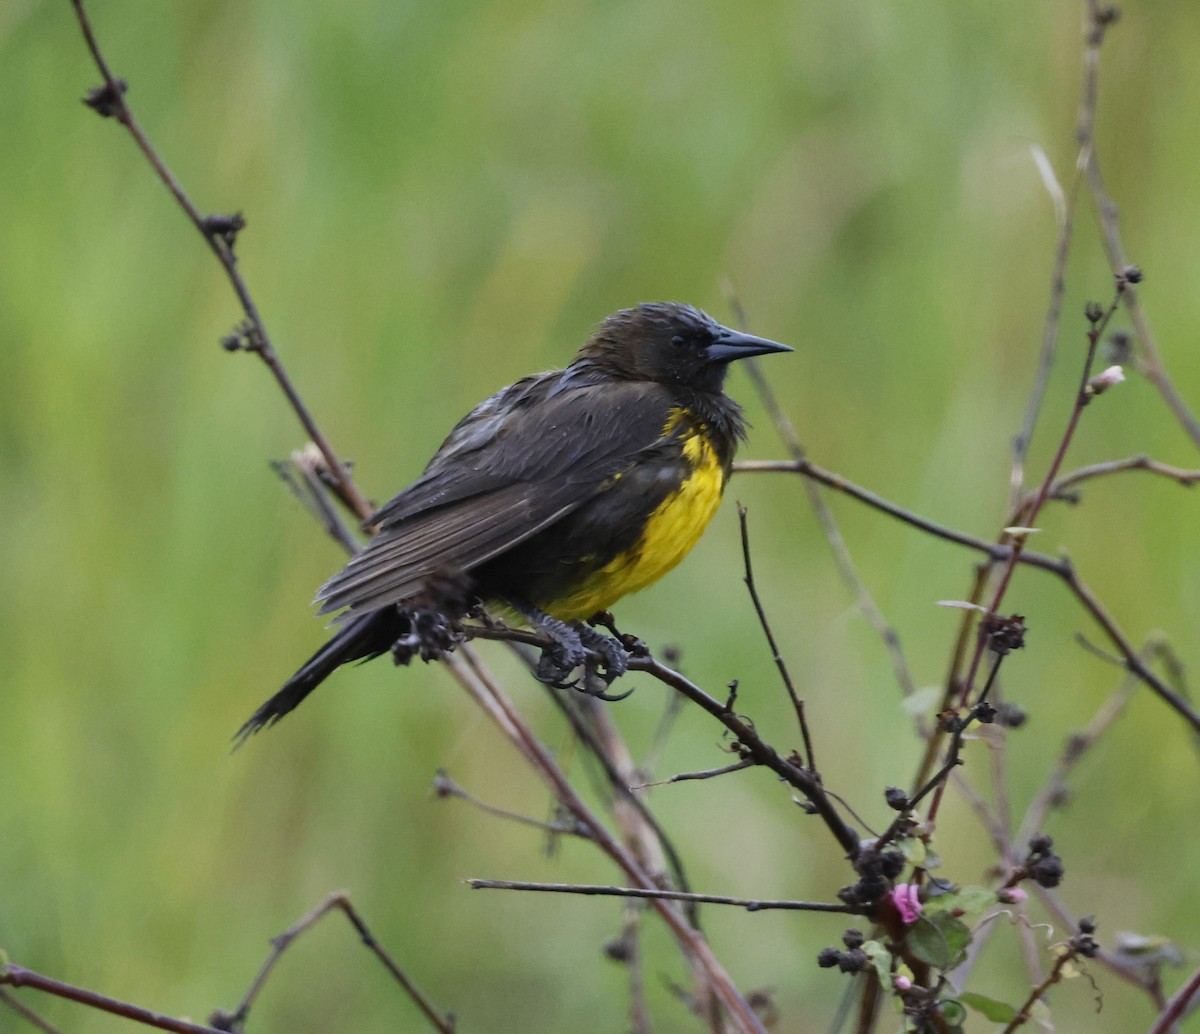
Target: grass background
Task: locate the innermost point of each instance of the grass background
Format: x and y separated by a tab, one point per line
441	198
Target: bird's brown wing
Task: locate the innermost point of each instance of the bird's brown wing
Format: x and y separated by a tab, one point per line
519	462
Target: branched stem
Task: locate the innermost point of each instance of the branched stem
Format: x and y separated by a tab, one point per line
219	233
337	902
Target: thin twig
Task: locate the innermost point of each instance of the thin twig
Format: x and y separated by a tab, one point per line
219	235
994	551
1182	1002
340	902
776	656
19	976
484	689
1134	975
642	828
816	500
1053	977
1078	744
753	747
1107	215
1065	207
1060	489
444	786
710	773
749	904
27	1014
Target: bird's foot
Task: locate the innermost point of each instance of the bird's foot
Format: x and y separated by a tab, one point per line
571	644
610	661
612	652
565	651
427	633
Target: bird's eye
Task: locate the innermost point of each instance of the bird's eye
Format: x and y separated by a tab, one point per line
678	341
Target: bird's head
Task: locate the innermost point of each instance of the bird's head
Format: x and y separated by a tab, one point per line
670	343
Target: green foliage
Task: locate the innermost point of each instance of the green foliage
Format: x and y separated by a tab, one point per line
939	939
997	1012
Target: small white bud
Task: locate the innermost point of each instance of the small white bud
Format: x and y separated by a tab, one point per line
1105	380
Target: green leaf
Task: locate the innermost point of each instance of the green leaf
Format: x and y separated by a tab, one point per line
881	959
970	903
952	1012
997	1012
939	940
913	849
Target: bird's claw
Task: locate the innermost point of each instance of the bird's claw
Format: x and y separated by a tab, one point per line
596	685
553	669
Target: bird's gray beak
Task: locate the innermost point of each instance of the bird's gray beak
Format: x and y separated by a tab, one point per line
729	345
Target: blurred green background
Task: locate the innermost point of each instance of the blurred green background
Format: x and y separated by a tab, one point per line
441	198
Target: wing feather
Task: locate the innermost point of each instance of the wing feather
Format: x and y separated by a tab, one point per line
520	461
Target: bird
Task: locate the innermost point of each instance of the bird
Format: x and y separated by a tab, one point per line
550	500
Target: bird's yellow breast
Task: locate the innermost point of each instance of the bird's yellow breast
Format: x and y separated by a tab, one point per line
671	531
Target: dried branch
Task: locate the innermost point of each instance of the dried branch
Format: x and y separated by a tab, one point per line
220	233
483	688
1065	207
27	1014
776	656
1100	18
1061	489
19	976
340	902
710	773
996	553
444	786
1181	1004
816	500
1078	744
591	889
754	748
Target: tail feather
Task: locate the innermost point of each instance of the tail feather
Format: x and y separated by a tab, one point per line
359	639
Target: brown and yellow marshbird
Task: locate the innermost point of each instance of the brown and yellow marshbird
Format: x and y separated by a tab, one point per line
553	498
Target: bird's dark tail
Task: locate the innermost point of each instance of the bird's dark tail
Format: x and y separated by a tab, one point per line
359	639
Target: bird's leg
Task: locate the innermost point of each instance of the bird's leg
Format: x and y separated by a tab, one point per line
565	652
611	651
632	645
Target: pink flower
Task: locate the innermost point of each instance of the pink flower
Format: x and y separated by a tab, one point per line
902	983
1012	895
906	898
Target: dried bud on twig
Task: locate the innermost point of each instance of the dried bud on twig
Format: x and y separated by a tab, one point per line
1104	380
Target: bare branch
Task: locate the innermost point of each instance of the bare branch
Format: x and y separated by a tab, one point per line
340	902
776	656
444	786
1061	488
27	1014
1108	217
1181	1004
833	534
996	552
484	689
19	976
711	773
749	904
219	233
